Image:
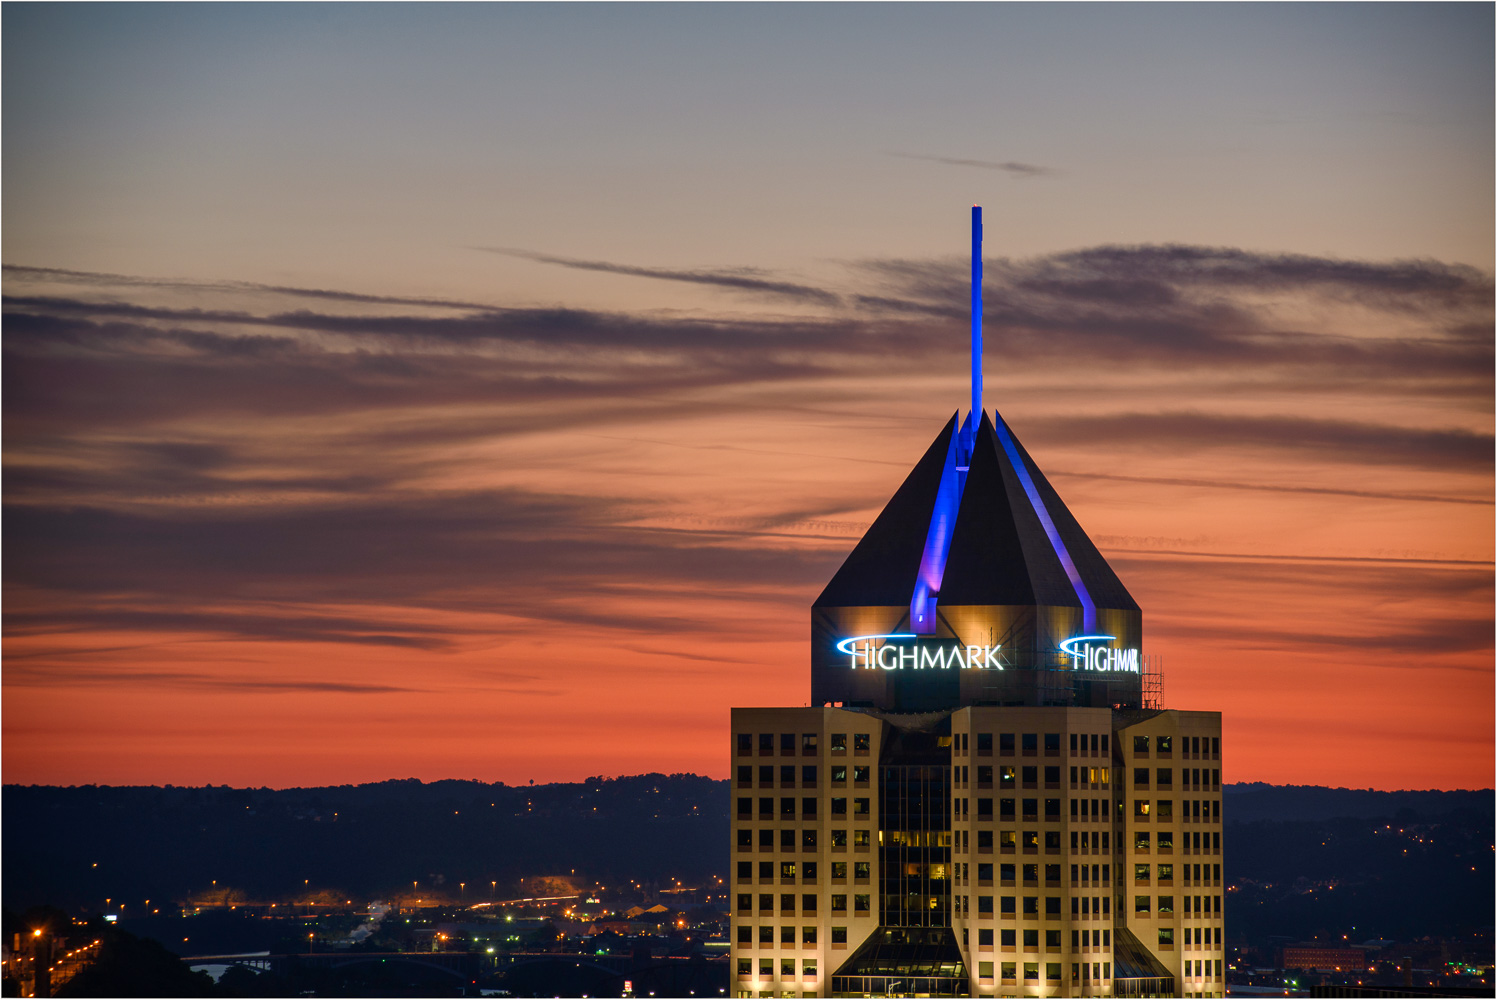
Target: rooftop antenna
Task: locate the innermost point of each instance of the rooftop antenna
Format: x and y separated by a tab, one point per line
976	414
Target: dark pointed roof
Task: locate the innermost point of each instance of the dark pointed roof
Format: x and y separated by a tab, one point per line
881	569
1001	553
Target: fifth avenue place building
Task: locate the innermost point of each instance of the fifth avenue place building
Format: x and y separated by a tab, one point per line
987	796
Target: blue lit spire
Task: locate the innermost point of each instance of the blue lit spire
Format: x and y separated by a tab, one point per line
954	472
976	323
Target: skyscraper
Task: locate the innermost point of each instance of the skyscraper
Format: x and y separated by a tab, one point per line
987	797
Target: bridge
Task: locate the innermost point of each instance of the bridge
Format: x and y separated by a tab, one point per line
460	965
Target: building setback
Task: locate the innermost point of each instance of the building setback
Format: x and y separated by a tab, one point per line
987	797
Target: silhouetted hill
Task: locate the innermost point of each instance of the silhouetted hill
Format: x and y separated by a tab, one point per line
1304	859
364	840
1255	800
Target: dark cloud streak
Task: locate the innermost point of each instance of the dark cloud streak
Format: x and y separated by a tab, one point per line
738	279
1011	167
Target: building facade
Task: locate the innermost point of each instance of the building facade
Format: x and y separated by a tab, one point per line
987	796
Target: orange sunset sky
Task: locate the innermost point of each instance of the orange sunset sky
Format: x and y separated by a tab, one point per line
487	392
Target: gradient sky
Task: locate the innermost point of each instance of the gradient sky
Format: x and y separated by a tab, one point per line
487	391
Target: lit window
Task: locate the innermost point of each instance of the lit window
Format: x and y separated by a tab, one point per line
860	838
1166	937
861	742
1141	872
1140	904
1141	841
862	903
1166	904
1167	871
839	838
839	905
787	869
839	742
839	869
860	772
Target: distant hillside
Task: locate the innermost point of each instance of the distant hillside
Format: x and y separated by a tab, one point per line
1255	800
1304	858
364	840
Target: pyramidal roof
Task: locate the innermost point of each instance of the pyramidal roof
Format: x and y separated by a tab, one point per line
978	527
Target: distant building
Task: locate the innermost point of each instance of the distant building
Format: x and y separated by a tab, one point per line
986	797
1317	958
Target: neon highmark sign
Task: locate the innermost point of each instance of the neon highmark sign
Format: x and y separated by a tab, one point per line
1086	654
907	651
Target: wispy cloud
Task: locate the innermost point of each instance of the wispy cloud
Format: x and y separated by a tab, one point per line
1223	484
1341	441
1012	167
743	279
